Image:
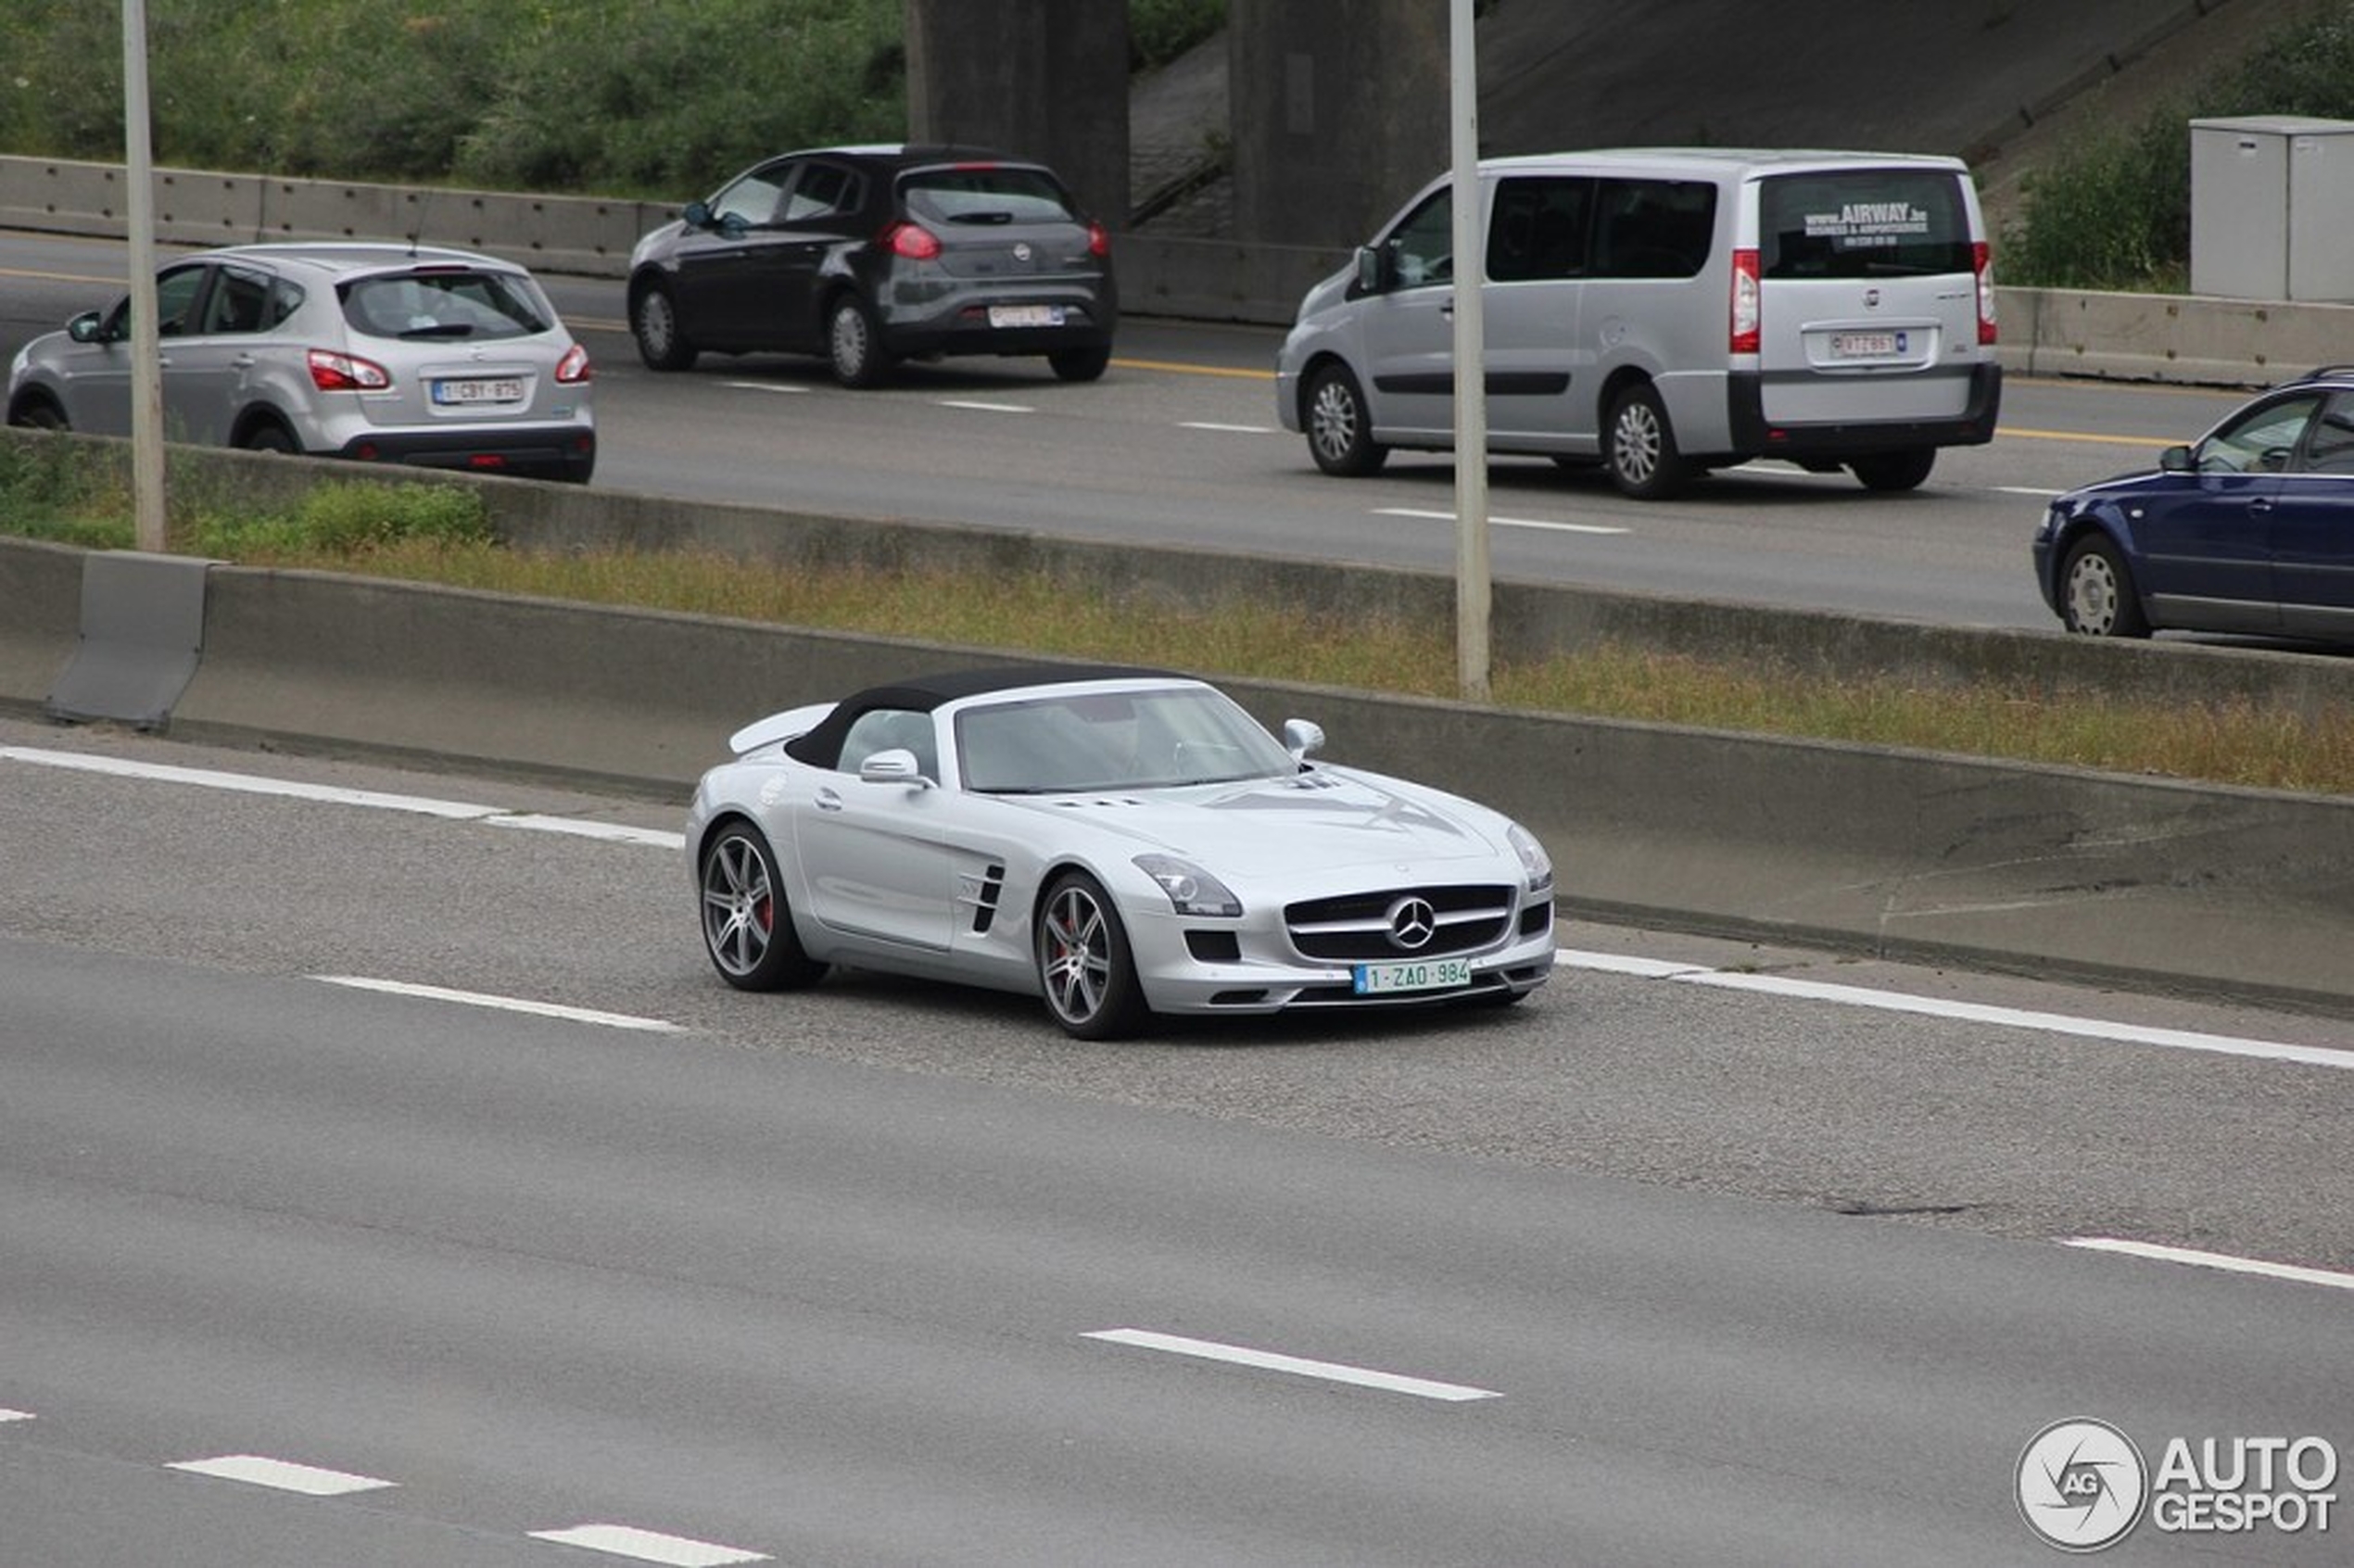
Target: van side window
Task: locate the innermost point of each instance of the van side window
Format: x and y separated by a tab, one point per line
1421	248
1652	228
1539	229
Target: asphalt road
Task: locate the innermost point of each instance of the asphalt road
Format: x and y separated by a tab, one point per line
1178	444
1667	1270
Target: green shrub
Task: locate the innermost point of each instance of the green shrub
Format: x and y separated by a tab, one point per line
347	517
1159	30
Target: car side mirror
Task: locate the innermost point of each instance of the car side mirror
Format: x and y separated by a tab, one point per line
87	327
2177	460
1301	738
697	215
1372	269
894	764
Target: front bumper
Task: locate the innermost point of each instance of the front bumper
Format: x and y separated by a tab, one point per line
1254	969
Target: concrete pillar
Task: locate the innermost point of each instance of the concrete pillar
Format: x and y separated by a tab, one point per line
1339	112
1047	79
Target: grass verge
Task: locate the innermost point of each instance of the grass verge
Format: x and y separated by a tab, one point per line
440	533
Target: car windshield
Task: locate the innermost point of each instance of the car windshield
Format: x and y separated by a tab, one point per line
460	304
1113	741
984	196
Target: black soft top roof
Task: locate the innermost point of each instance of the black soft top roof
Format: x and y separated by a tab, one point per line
822	746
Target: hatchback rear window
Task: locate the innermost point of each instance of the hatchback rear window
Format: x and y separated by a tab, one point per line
1863	223
984	196
455	304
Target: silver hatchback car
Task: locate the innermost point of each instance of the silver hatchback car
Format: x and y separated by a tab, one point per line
380	353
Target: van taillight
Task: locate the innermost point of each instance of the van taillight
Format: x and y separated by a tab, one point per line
1982	263
1745	322
1098	241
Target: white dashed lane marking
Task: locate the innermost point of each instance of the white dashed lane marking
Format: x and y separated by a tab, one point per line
646	1546
502	1004
281	1476
1269	1361
1538	522
2222	1260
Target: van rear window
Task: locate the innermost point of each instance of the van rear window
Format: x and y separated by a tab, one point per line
1863	223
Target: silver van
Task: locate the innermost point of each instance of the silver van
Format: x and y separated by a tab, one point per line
1663	311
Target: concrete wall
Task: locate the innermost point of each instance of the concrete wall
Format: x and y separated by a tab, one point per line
2044	870
1052	83
1326	97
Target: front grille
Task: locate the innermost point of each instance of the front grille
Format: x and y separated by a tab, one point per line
1359	926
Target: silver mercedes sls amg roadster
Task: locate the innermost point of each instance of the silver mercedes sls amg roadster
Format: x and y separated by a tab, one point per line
1121	842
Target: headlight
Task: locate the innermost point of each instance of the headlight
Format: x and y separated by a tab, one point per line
1533	858
1191	889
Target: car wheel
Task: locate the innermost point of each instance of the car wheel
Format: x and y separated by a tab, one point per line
1084	965
1079	364
2096	594
1339	428
747	925
1895	471
38	413
1640	451
653	322
854	339
268	435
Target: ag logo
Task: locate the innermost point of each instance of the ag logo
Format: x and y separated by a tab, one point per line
2081	1485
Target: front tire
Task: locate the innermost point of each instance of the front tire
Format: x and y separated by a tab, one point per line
854	341
1640	447
1894	470
1340	428
747	925
2096	595
1084	965
653	322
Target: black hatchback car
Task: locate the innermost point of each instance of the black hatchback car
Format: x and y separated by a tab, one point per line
867	254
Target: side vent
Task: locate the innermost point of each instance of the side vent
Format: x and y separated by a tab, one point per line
985	896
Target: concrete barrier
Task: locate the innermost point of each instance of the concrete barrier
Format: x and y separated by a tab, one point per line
2045	332
39	620
2042	871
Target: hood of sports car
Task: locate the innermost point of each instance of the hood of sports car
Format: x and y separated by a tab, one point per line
1321	820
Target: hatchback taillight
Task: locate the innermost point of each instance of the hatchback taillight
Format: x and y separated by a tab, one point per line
330	372
1982	263
1098	241
574	366
1746	336
911	242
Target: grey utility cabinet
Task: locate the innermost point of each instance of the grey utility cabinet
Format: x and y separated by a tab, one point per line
2272	208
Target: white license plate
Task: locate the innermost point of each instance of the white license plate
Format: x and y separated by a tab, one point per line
1436	974
1867	345
1025	315
479	389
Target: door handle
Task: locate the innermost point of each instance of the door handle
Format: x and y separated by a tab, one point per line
829	801
243	361
2260	505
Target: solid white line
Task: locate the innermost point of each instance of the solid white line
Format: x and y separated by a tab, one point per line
503	1003
2214	1260
1235	429
14	1415
281	1474
246	783
624	1541
985	408
763	386
1970	1012
1500	522
1268	1361
611	832
2025	490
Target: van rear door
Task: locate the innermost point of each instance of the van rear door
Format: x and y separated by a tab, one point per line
1869	294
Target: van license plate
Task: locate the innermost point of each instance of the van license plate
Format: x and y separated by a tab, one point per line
1866	345
1436	974
503	389
1025	315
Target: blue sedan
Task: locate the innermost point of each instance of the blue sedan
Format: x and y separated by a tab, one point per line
2250	531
